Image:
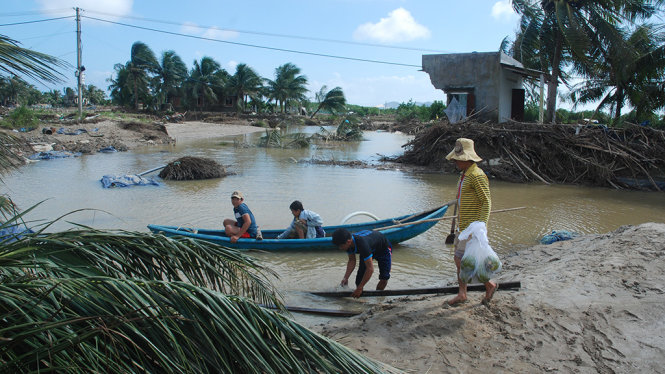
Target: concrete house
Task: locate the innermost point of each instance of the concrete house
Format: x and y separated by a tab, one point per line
487	84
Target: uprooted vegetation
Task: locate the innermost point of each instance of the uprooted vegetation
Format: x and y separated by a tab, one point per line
630	157
192	168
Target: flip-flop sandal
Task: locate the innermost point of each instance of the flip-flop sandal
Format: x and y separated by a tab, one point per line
456	304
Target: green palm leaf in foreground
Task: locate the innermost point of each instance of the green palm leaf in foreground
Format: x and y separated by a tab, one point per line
126	255
15	60
125	302
101	324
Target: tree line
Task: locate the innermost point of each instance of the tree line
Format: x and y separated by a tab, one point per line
165	82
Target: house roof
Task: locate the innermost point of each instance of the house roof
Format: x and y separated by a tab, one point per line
515	66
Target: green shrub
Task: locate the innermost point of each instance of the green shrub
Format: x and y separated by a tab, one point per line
21	117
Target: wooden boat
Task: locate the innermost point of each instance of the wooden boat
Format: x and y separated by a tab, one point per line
403	231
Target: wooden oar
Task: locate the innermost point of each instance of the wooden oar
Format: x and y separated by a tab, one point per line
513	285
441	218
325	312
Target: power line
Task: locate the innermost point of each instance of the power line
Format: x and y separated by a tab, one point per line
35	21
34	12
273	34
253	45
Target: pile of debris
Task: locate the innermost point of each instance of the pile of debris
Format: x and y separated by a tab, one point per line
631	157
192	168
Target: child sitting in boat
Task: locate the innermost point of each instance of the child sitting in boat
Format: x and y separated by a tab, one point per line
305	225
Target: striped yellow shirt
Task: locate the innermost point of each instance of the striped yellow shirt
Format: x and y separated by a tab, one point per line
474	200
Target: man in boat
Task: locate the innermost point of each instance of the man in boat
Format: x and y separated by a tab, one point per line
474	204
368	245
244	224
305	225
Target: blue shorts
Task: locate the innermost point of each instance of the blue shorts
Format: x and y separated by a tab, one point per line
384	261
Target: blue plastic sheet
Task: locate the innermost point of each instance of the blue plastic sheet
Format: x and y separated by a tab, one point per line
109	149
557	236
109	181
70	132
13	233
49	155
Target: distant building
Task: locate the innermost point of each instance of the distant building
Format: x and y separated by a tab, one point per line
487	84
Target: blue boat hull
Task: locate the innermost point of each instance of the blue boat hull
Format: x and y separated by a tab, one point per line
269	243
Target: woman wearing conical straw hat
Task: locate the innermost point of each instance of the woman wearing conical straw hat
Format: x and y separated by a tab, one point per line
474	203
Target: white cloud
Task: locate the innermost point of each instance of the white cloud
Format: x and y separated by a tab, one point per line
399	26
117	8
231	66
216	33
377	90
503	11
190	28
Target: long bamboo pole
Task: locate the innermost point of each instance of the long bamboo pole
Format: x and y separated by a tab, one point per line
512	285
441	218
325	312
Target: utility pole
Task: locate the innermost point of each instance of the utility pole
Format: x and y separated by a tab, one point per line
540	104
79	68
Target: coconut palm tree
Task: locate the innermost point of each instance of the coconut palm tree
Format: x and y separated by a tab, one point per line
288	85
95	95
121	86
141	66
205	78
552	31
629	70
171	75
245	82
332	100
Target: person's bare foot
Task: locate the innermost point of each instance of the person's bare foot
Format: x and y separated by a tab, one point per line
489	292
457	300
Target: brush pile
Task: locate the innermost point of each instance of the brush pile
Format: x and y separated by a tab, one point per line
631	157
192	168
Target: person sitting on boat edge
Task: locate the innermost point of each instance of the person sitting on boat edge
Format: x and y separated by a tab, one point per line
368	245
243	225
305	225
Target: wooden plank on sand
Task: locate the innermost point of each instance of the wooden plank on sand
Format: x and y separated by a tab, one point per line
422	291
325	312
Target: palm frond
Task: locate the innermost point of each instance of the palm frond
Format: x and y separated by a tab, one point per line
101	324
15	60
125	255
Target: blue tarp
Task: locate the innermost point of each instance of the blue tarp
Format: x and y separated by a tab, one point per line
53	154
109	181
109	149
13	233
557	236
69	132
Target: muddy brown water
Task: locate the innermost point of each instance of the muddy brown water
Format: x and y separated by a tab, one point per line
271	179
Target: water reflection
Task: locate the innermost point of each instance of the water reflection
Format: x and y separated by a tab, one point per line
270	180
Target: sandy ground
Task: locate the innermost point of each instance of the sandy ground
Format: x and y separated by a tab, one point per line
201	130
594	304
124	136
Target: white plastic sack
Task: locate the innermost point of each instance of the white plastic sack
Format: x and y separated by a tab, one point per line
479	260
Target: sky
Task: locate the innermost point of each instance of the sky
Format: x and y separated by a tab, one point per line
372	49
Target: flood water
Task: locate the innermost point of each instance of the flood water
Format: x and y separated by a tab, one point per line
271	179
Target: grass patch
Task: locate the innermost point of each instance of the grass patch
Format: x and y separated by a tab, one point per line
21	117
